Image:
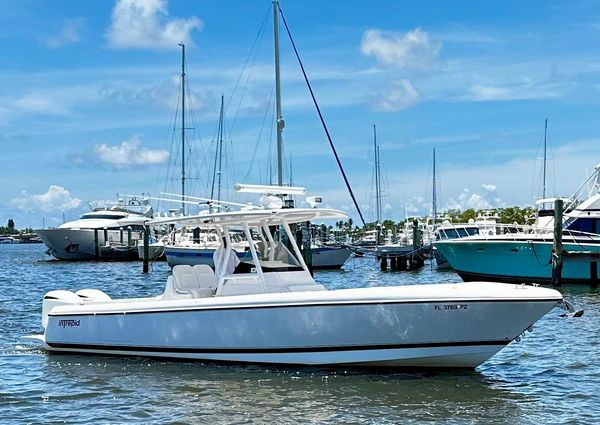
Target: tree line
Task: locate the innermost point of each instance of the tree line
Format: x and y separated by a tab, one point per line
508	215
10	229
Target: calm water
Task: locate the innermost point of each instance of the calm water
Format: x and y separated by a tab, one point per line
551	376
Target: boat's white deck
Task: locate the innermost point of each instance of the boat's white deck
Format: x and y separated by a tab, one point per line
433	293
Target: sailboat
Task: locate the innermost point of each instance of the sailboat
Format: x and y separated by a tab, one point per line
383	245
198	246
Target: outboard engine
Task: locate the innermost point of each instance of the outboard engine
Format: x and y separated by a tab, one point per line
91	295
55	298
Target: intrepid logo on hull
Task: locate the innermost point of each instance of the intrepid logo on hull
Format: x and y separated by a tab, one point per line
68	323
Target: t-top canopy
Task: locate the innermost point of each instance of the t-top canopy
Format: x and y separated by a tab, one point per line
252	217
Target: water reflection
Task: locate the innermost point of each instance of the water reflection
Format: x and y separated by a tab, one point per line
185	390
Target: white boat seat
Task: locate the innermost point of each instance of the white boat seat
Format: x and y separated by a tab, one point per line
205	276
184	284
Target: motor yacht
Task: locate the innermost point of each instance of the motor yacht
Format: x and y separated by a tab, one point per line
109	231
525	255
269	309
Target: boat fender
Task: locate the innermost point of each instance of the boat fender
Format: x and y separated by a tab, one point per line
92	295
56	298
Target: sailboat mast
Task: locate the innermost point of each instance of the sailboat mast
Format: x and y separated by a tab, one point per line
182	128
278	117
220	150
544	172
434	192
377	177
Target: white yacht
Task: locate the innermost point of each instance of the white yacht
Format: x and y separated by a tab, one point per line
271	310
110	231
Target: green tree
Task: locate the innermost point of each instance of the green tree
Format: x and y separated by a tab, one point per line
388	224
11	224
468	214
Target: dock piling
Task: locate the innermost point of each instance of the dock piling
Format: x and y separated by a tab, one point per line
384	263
146	249
557	248
96	246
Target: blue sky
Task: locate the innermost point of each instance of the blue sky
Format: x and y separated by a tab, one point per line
88	96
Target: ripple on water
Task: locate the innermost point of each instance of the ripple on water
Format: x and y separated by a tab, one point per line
552	375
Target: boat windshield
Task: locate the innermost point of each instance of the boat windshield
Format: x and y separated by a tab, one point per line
102	216
273	256
457	232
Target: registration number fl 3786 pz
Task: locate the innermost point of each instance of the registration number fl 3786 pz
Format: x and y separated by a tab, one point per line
447	307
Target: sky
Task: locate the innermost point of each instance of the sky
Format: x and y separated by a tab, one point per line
89	101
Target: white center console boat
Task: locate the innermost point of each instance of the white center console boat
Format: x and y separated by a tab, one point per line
271	310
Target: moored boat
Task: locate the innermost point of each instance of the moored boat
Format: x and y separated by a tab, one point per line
109	231
526	256
269	309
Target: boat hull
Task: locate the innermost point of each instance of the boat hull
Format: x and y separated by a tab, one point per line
323	257
79	244
192	256
156	251
516	261
361	330
330	257
440	260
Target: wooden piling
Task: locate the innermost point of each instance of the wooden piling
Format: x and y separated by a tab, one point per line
384	264
415	235
146	249
557	248
401	263
96	245
121	236
129	233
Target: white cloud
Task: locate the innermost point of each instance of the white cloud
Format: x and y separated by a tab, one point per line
412	50
401	95
468	199
416	205
129	153
69	34
527	89
57	198
146	24
40	103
